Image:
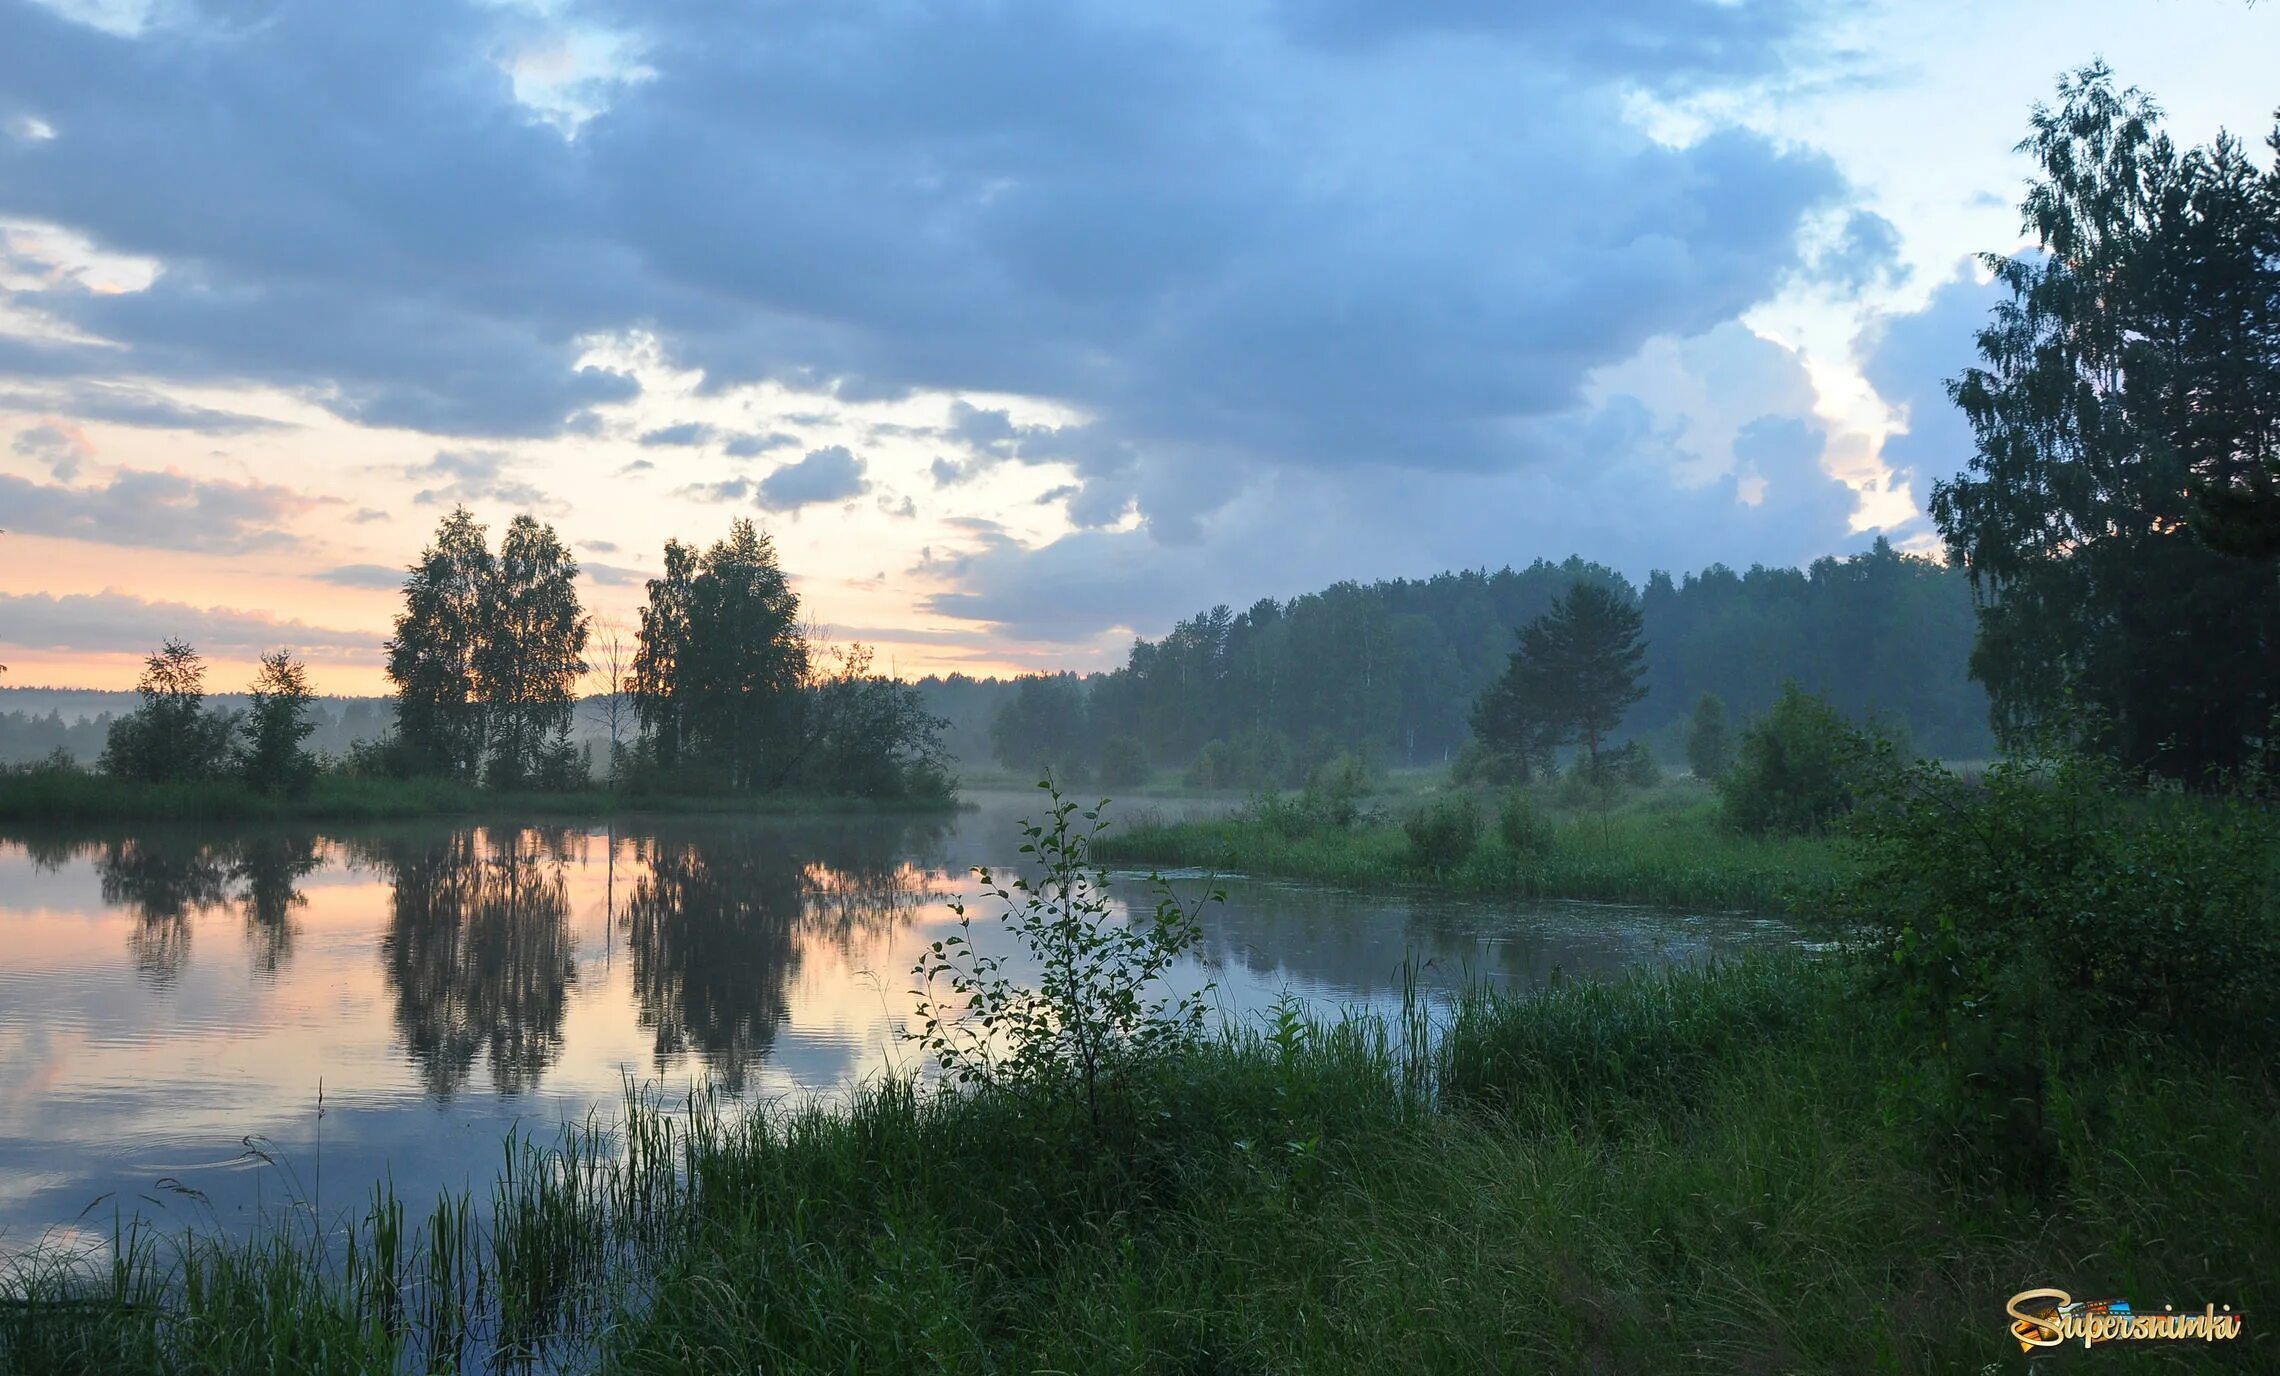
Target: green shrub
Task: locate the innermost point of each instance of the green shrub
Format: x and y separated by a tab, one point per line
1482	764
1635	764
1799	768
1443	833
1526	829
2032	923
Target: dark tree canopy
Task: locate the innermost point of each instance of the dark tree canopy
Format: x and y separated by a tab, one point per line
1578	670
2127	423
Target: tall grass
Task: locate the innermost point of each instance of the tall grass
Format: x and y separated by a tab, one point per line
1697	1170
1665	847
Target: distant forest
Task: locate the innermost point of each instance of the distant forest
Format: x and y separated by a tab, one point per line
1389	670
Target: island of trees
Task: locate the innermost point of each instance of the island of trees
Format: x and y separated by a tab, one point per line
725	693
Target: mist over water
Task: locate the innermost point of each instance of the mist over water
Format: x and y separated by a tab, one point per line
203	1025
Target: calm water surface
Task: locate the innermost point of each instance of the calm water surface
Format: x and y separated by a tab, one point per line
199	1025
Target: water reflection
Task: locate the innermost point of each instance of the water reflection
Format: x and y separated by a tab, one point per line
477	952
166	992
165	879
718	920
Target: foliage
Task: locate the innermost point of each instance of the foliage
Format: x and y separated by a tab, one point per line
1392	670
1443	832
528	658
1094	1018
1709	748
1798	770
869	736
2128	383
1521	824
1477	763
171	738
723	662
1703	1153
1123	762
2031	924
272	758
431	658
1577	672
1331	801
1635	764
1043	727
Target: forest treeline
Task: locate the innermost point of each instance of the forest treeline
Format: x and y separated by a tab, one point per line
723	689
1392	670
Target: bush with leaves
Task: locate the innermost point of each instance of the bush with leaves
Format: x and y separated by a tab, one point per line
1799	767
1098	1017
1523	826
271	757
171	737
1443	833
2033	922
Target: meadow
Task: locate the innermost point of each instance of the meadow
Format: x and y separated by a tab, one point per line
1667	844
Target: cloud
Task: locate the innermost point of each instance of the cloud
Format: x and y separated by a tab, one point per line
1619	479
727	490
599	546
146	510
1909	359
112	622
825	475
752	446
686	433
61	447
120	404
614	575
1115	210
472	475
364	576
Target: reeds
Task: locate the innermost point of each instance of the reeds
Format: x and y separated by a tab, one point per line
1686	1170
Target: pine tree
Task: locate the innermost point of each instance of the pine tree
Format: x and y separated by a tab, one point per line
1575	675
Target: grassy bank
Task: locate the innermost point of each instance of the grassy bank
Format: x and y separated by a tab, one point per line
1693	1171
36	796
1662	846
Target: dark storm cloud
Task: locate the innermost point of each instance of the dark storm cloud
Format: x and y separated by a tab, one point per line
111	622
825	475
1606	484
1071	201
156	511
1321	256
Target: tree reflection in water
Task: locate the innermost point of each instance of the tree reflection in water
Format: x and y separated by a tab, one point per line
478	952
720	919
164	879
269	869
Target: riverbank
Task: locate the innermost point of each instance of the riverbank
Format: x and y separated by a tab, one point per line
1666	846
42	796
1685	1171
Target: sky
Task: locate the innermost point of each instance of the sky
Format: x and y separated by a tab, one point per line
1023	328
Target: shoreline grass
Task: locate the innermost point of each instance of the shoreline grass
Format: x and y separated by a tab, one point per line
1667	848
1683	1171
33	797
